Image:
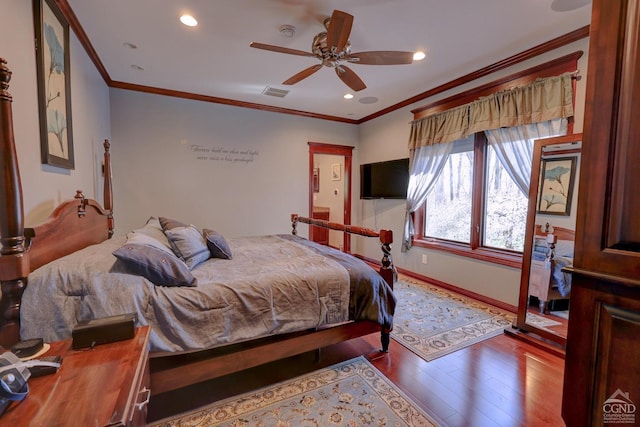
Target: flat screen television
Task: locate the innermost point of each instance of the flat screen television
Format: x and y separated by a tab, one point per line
384	180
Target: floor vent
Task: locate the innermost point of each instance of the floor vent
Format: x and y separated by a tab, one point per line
279	93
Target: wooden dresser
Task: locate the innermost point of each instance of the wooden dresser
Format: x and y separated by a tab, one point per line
602	368
104	386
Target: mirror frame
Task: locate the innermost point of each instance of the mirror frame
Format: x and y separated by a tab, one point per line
523	301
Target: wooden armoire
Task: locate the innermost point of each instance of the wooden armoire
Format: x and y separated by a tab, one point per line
602	367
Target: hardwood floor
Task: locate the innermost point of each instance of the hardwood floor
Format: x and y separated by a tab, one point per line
497	382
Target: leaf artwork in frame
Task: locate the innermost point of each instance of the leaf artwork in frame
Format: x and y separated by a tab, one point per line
54	92
556	186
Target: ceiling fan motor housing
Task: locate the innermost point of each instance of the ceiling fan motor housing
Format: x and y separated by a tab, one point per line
328	57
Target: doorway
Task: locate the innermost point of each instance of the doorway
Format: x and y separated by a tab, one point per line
330	191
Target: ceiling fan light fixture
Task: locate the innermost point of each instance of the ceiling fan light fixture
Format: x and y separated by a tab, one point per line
287	30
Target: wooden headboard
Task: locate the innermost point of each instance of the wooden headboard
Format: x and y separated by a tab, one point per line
560	232
73	225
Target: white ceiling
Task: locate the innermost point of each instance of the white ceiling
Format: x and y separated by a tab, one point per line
214	58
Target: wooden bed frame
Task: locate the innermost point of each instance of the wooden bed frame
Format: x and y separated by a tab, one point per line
81	222
540	284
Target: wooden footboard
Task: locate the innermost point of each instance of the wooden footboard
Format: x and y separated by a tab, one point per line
387	269
171	372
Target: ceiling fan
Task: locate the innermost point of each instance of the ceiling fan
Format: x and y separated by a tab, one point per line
333	48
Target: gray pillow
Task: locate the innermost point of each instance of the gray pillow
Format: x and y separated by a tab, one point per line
153	229
217	245
188	244
157	265
143	238
168	223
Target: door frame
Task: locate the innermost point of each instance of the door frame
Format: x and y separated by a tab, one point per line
347	153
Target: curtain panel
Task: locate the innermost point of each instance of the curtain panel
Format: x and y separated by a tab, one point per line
542	100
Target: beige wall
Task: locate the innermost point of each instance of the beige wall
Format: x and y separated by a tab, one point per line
158	171
44	187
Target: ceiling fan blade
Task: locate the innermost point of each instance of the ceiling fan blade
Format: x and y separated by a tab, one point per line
350	78
302	75
281	49
381	57
339	29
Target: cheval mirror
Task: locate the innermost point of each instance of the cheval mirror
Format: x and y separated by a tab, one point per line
545	283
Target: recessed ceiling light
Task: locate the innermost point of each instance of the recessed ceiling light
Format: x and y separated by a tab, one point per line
188	20
348	96
129	45
418	56
137	67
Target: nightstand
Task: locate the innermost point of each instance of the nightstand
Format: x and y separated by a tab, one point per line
104	386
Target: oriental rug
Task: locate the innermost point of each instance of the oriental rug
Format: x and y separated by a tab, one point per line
432	322
351	393
540	321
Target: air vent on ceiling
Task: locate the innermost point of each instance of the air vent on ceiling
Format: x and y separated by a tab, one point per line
271	91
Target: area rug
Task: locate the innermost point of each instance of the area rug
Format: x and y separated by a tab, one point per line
432	322
352	393
540	321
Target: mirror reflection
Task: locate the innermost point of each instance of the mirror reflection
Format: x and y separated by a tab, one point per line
549	245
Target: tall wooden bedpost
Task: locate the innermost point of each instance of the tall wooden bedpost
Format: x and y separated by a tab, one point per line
14	262
387	269
108	187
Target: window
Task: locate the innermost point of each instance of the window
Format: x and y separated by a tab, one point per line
449	204
475	206
505	207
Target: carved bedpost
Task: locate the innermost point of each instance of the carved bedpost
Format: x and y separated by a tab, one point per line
294	224
387	269
108	187
14	262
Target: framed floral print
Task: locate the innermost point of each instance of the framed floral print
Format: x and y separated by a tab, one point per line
556	185
54	87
